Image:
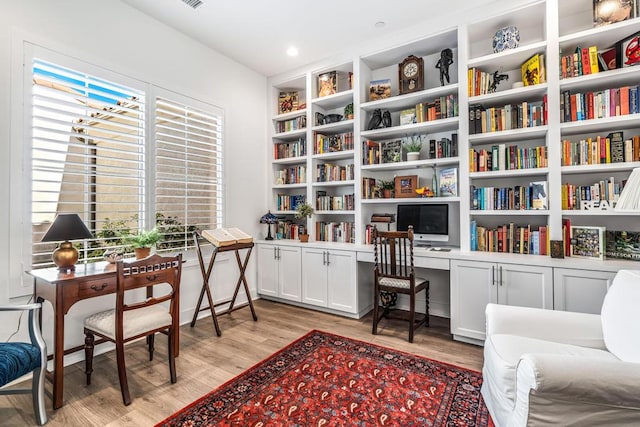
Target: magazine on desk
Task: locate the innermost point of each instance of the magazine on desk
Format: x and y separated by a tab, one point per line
226	236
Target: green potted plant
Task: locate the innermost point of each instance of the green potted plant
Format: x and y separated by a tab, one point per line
386	187
348	111
304	211
143	241
412	146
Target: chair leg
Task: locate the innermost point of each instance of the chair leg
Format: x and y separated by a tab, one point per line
37	392
374	329
426	307
88	354
412	315
172	356
122	373
150	343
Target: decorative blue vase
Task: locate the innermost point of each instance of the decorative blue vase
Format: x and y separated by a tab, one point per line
506	38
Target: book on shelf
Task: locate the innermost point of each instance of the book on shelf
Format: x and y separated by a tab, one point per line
327	83
407	116
448	182
391	151
379	89
607	59
287	102
587	242
383	217
539	195
532	70
226	236
622	245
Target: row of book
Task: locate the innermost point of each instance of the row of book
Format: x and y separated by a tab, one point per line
599	104
288	230
444	147
291	175
296	123
511	116
510	238
369	188
579	63
480	82
519	197
327	172
375	153
333	143
442	107
607	189
335	203
286	202
286	150
343	232
601	150
507	157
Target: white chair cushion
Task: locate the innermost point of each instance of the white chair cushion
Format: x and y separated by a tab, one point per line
135	321
502	354
621	316
398	283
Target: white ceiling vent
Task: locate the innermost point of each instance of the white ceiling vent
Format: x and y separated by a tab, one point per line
193	3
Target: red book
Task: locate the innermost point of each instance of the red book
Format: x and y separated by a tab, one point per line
590	105
543	240
545	107
624	100
586	63
566	236
574	108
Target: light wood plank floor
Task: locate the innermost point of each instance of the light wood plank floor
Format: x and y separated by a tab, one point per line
207	361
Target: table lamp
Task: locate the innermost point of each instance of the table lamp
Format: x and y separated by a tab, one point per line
629	199
268	219
66	227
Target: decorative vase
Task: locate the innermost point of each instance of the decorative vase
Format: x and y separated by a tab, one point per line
142	252
304	238
414	155
386	193
506	38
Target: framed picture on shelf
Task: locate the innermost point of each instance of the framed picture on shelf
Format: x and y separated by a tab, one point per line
391	151
628	51
611	11
327	84
448	182
287	102
405	186
587	242
622	245
379	89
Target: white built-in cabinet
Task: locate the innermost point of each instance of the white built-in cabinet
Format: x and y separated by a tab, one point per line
477	283
579	290
279	272
329	279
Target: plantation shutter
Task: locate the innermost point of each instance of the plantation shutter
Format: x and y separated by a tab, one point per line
88	157
188	169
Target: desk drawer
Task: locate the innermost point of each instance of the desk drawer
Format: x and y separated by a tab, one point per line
92	288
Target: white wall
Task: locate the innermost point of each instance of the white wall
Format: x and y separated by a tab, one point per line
115	36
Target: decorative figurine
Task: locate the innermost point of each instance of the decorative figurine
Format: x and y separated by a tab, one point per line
495	81
446	59
376	119
386	119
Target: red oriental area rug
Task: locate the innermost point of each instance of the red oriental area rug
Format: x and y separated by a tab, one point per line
328	380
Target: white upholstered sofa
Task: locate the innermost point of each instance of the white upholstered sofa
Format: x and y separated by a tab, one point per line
557	368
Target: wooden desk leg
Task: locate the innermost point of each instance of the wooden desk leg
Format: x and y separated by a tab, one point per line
58	357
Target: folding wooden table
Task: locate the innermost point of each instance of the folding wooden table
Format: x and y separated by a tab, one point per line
206	275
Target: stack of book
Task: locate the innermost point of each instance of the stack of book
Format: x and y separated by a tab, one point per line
383	217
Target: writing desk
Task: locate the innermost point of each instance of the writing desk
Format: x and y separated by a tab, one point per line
63	290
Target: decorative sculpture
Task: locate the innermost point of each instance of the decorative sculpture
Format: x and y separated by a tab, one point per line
446	59
386	119
376	119
495	81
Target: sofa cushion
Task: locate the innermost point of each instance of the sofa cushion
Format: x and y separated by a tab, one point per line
17	359
621	317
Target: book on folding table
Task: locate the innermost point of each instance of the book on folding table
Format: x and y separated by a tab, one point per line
226	236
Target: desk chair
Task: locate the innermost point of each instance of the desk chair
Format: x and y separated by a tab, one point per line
19	359
394	272
142	318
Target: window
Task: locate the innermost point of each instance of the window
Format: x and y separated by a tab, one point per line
91	154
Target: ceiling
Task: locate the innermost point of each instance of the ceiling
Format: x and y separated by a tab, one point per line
257	33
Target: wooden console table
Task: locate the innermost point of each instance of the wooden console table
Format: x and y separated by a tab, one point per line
63	290
206	275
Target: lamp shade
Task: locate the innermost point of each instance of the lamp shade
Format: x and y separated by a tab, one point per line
268	218
629	199
67	227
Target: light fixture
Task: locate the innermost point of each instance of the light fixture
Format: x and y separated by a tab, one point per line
629	199
268	219
292	51
66	227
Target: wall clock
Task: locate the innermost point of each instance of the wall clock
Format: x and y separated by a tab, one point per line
411	75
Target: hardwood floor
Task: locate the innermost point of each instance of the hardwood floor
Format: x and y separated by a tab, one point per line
207	361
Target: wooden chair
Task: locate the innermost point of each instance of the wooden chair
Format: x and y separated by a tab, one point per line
18	359
394	273
141	318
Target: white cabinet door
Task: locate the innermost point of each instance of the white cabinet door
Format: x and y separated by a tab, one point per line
580	290
341	281
314	277
289	266
525	285
472	288
268	270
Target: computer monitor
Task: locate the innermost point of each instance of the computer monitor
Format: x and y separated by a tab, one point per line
430	222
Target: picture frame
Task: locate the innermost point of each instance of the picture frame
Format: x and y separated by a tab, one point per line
405	186
287	102
587	242
607	12
327	83
379	89
628	51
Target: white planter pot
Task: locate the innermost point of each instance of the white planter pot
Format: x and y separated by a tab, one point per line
413	156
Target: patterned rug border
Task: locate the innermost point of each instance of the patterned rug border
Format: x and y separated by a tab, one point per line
284	349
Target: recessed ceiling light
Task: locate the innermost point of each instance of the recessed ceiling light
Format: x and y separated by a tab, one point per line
292	51
380	24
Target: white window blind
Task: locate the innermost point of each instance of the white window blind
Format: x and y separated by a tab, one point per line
88	157
188	169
